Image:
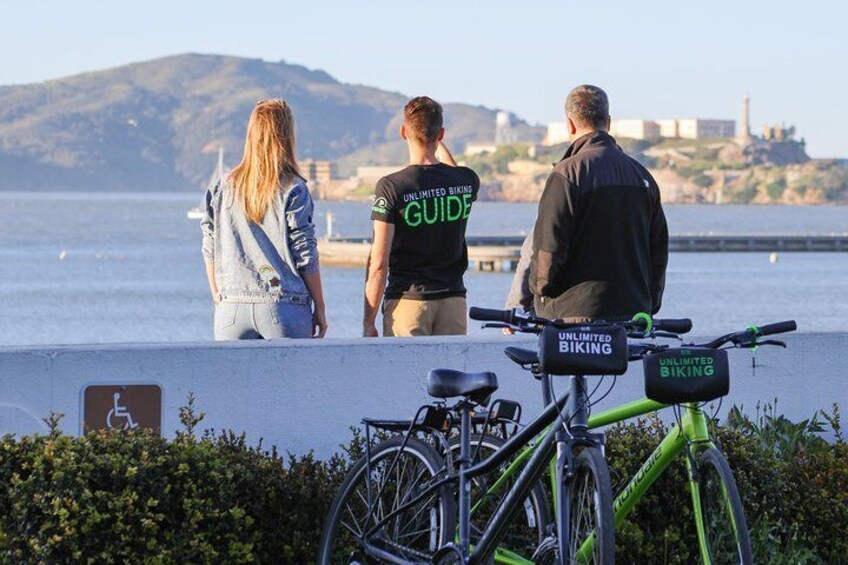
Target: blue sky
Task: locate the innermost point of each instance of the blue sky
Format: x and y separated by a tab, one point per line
656	59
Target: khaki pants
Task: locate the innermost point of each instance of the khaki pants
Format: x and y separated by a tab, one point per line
445	316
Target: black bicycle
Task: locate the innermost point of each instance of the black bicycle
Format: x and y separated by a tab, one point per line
398	504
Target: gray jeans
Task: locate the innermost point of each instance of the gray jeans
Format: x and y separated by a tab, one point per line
262	320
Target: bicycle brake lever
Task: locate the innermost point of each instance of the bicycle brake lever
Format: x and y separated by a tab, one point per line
776	342
744	341
667	334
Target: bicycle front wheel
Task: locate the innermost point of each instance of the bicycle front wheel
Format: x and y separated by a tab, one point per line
590	511
529	528
374	502
724	539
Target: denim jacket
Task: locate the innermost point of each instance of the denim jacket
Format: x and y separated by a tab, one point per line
260	262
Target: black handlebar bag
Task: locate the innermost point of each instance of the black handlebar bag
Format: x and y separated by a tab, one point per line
689	374
583	350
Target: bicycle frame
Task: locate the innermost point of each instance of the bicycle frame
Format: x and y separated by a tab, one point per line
691	433
545	434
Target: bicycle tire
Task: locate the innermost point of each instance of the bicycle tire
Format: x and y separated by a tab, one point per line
338	545
590	485
529	529
715	481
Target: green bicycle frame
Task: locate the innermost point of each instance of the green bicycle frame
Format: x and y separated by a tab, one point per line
692	432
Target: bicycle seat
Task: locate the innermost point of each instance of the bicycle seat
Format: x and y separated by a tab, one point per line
522	356
447	383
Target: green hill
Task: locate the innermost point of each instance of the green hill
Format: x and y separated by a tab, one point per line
157	125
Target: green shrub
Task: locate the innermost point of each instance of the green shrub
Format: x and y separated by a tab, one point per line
793	483
776	188
112	497
702	180
486	164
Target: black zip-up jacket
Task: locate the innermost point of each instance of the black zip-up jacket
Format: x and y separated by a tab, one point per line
600	245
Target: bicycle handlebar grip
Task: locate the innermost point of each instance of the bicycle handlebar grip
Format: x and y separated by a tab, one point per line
681	326
779	328
490	315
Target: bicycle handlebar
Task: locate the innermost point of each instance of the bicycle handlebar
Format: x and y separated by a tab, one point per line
641	325
491	315
525	322
681	326
748	337
744	339
777	328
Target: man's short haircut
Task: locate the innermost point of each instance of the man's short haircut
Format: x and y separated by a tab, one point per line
588	106
423	118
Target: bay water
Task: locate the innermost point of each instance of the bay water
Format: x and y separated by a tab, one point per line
107	268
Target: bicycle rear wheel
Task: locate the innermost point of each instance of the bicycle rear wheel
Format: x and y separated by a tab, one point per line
725	531
397	476
590	516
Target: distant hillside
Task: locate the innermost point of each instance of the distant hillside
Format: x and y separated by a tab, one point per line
157	125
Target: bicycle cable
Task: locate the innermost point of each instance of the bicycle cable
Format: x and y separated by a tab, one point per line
607	393
562	422
597	386
678	417
714	415
588	404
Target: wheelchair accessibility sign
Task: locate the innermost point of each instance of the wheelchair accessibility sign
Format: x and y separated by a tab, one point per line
122	407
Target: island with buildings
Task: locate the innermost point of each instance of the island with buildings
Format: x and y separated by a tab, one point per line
695	160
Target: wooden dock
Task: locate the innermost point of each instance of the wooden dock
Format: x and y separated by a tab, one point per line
498	254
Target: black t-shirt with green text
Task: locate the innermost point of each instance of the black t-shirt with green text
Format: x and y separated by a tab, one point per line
429	206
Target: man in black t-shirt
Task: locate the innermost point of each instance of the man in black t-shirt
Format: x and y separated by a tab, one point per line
420	214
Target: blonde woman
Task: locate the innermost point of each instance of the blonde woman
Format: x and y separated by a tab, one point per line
259	240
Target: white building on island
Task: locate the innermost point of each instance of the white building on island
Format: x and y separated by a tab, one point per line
683	128
635	129
699	128
557	133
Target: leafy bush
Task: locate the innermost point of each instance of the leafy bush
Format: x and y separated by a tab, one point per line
776	188
793	483
693	168
702	180
112	497
486	164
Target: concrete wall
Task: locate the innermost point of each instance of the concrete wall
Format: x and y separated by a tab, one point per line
302	395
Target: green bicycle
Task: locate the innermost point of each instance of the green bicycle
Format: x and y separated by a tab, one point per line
719	518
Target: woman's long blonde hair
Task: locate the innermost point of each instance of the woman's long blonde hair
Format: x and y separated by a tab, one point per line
269	162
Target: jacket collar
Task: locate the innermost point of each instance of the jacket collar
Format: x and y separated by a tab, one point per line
591	139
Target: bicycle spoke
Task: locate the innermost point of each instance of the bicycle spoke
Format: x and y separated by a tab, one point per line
359	530
356	533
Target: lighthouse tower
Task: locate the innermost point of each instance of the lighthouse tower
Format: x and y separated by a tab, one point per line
745	131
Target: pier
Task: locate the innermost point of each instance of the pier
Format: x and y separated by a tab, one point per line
501	253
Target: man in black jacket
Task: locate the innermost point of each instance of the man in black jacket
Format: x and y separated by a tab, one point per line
600	244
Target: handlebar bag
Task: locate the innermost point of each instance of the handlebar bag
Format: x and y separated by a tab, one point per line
583	350
688	374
